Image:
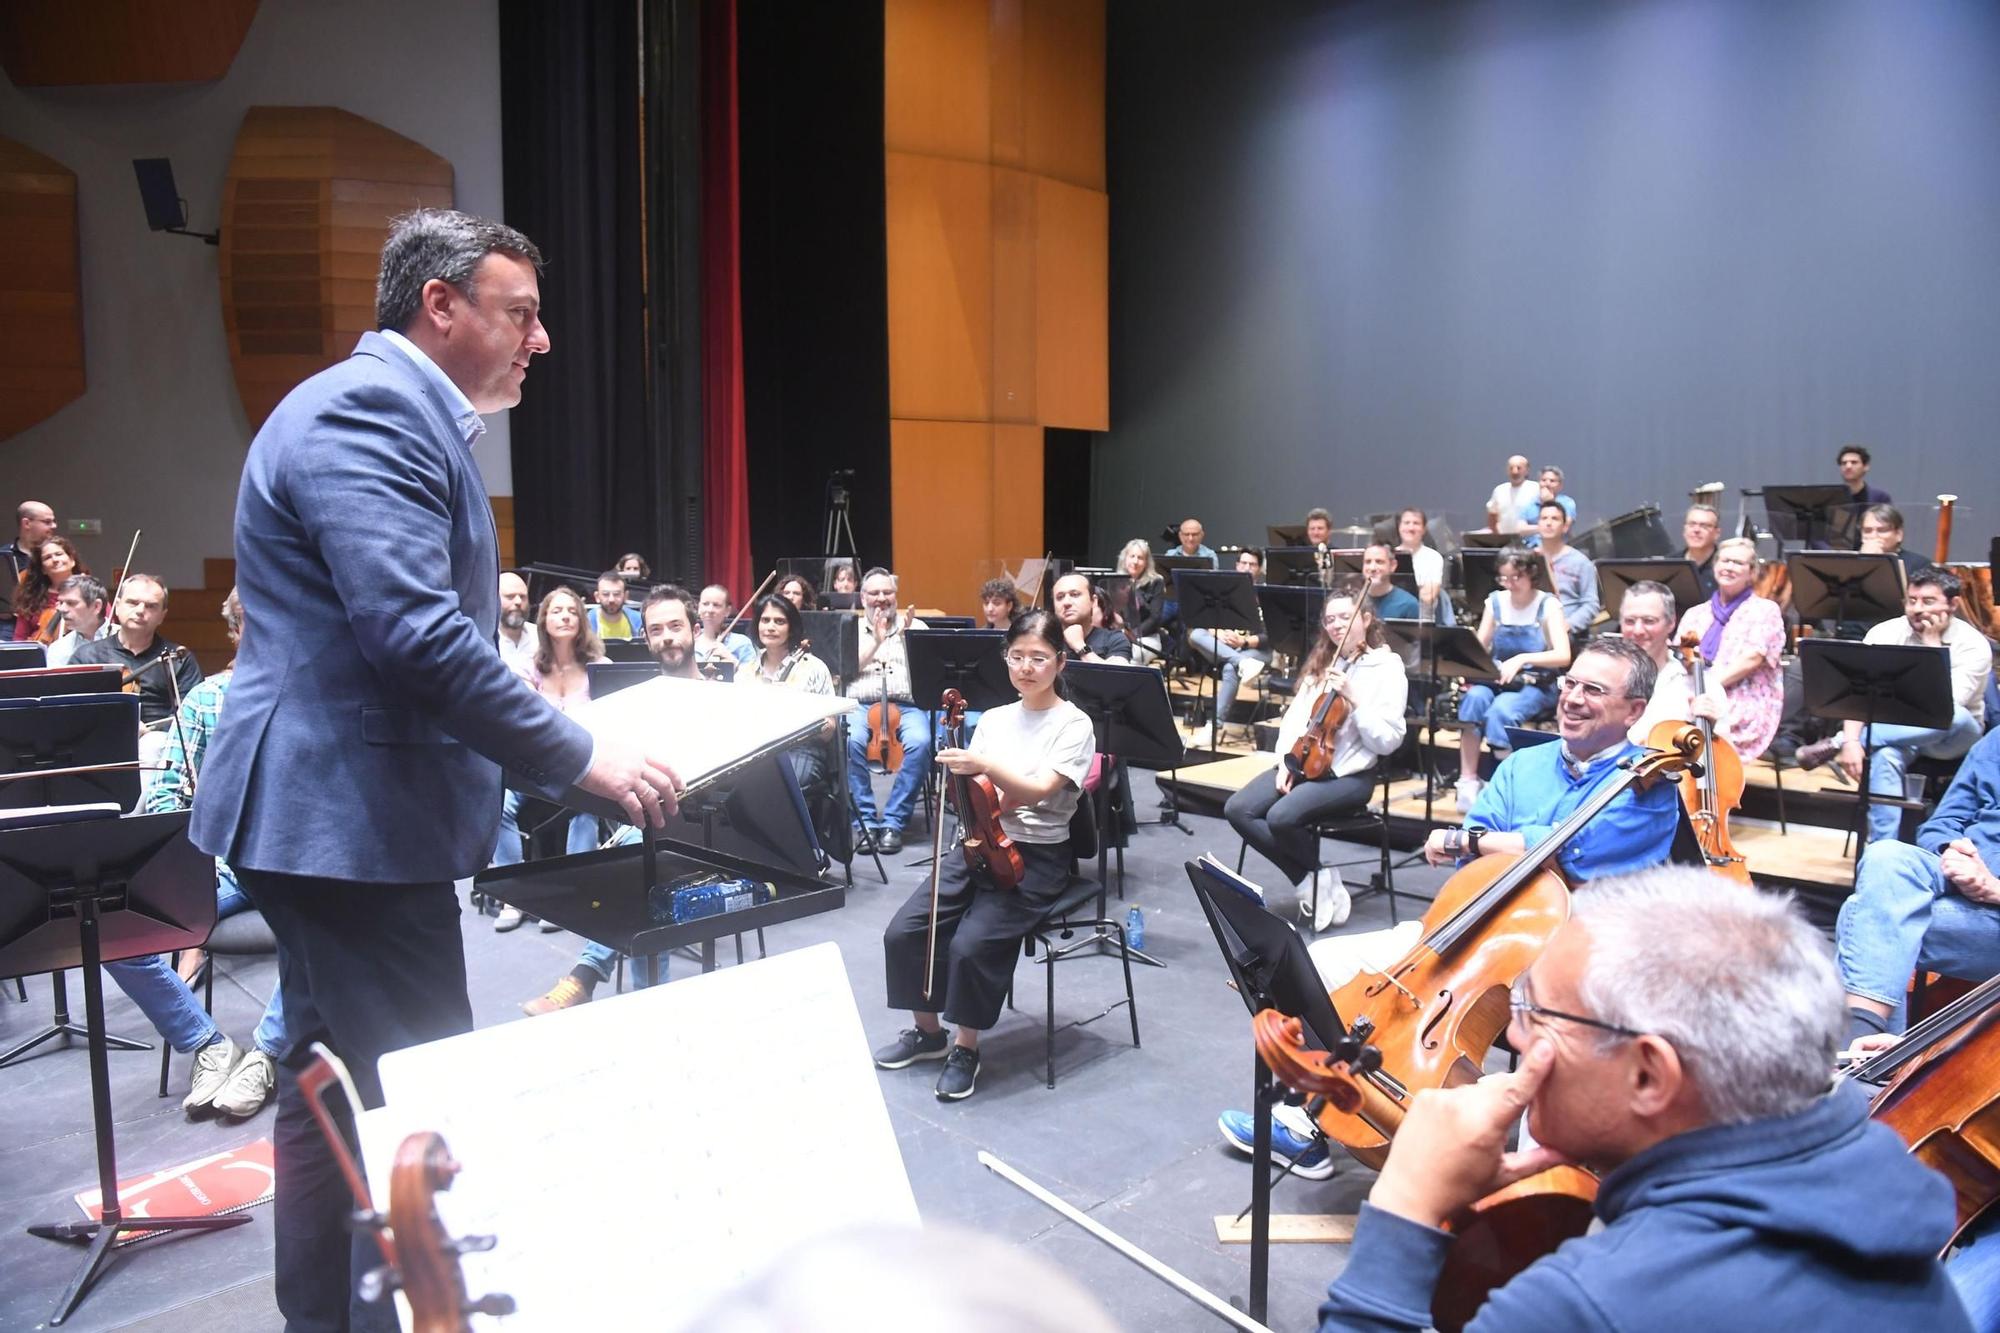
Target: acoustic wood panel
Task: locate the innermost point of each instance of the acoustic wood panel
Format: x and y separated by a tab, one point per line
41	306
49	43
1072	306
935	98
305	208
940	250
1062	91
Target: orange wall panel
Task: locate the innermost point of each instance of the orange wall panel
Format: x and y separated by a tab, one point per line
940	242
1016	488
941	475
935	95
1062	94
1072	306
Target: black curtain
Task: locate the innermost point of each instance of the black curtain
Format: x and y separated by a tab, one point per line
596	466
815	273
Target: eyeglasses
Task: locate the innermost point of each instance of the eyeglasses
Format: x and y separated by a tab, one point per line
1028	661
1590	688
1521	1006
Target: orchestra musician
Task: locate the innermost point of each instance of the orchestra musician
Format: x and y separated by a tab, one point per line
517	637
1385	600
1427	563
35	611
633	566
785	658
1742	640
884	675
1036	752
997	604
1548	489
1699	530
1646	620
1319	528
717	640
351	785
1077	611
1506	508
34	523
844	579
1275	812
1934	905
84	608
1882	534
1929	619
136	647
1854	462
1242	654
799	591
1677	1036
1191	546
611	617
1523	628
1146	610
670	617
1572	572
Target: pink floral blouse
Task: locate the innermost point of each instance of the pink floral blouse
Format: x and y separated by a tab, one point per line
1757	701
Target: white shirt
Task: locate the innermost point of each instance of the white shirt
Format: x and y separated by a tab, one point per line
1427	563
1971	658
892	658
1030	741
66	644
1379	690
1673	692
808	674
1510	498
470	426
520	657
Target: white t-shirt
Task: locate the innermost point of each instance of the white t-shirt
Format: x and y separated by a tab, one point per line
1509	498
1971	658
1427	563
808	674
1673	695
1059	738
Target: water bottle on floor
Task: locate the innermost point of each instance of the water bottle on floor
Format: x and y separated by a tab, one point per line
1135	928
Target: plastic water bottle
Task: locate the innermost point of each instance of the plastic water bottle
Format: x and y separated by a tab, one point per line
1135	928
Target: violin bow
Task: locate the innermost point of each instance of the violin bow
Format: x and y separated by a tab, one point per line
130	551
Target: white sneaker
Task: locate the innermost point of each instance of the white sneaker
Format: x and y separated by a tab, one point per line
1327	902
509	918
1247	670
212	1066
246	1090
1466	792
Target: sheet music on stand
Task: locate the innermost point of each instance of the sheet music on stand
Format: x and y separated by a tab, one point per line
620	1149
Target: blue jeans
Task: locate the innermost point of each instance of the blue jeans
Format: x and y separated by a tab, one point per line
1893	747
229	900
1495	711
1904	915
1204	642
602	958
915	732
170	1005
1975	1271
507	849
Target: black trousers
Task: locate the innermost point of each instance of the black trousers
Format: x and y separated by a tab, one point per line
978	938
366	969
1280	827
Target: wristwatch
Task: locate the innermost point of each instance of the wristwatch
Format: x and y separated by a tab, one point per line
1472	837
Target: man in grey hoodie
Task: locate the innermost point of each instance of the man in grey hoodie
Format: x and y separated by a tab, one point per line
1678	1035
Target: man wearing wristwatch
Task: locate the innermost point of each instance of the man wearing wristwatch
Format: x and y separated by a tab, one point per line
1537	787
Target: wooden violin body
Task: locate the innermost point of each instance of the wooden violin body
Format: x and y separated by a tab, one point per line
987	849
885	735
1311	756
1714	789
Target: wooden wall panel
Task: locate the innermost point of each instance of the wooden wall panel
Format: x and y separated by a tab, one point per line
1016	490
305	208
41	307
48	43
1062	94
941	475
1014	349
935	98
1072	305
940	233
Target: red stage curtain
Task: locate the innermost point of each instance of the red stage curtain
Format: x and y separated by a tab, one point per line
725	470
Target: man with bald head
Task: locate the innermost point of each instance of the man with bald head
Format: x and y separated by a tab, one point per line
1190	534
1512	496
517	635
34	523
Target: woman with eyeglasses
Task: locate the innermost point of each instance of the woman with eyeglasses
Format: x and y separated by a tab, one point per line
1523	628
1275	812
1742	640
1036	752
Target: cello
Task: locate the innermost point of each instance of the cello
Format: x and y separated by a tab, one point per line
1433	1015
989	853
1714	787
1939	1090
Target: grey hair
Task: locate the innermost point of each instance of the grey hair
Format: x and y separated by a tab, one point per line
1655	588
1710	510
1641	675
1140	545
232	616
1748	546
1735	979
880	573
1551	467
440	243
84	586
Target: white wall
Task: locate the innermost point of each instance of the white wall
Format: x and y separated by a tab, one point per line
158	437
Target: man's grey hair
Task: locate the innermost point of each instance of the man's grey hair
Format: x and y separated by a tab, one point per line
1735	979
1551	467
880	573
440	243
1710	510
1654	588
232	616
84	586
1641	675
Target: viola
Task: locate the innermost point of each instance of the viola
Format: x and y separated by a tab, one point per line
989	853
1434	1014
1939	1089
1716	787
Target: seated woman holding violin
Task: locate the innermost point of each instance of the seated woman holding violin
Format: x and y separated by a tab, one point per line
949	953
1347	713
1523	628
784	658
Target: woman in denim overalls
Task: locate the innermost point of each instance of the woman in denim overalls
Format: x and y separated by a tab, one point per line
1524	630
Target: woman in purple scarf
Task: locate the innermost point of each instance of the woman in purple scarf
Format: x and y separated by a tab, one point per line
1742	638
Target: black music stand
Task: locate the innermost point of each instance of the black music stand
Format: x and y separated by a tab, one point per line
1614	577
1347	563
70	731
610	677
626	651
1898	685
1272	969
1291	617
1441	650
1134	721
1637	535
47	682
1841	585
29	656
1285	534
966	660
1293	566
80	895
836	641
1481	566
1213	600
1809	514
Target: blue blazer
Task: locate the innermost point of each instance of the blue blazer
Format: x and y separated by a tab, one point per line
370	717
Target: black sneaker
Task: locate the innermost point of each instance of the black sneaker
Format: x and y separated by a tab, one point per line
910	1046
961	1069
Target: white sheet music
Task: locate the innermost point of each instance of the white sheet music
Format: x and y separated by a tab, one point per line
700	726
638	1155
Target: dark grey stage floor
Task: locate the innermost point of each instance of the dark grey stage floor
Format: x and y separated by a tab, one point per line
1127	1135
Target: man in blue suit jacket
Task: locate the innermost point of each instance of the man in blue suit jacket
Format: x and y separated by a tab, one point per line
356	772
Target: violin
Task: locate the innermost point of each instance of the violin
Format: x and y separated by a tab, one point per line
1311	756
1713	789
885	719
990	855
1435	1013
1939	1089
